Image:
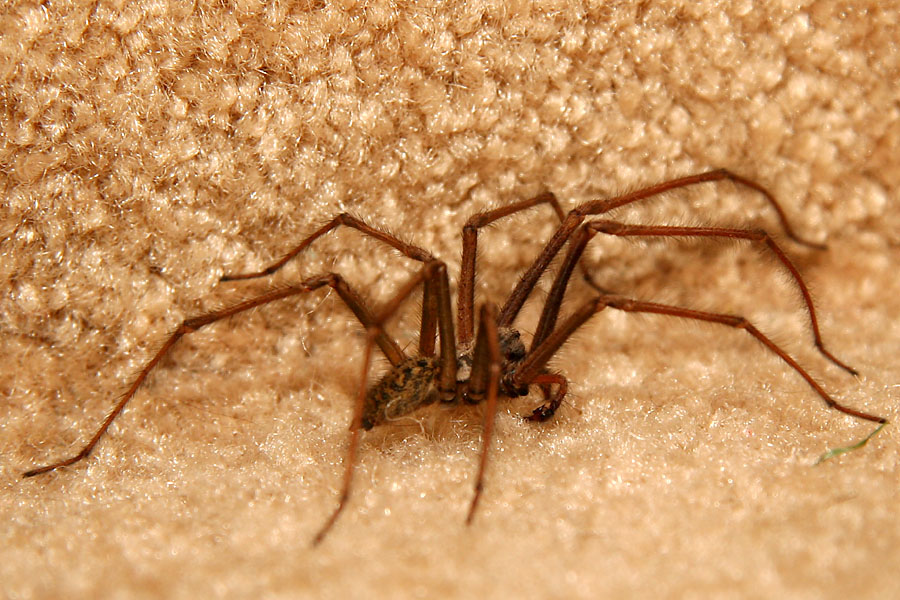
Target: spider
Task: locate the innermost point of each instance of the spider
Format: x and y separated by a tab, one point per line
471	367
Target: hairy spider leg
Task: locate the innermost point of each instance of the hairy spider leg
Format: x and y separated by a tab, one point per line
436	296
390	348
465	295
485	381
576	216
410	250
531	366
587	231
431	307
432	270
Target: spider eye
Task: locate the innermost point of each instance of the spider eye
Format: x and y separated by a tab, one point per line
511	345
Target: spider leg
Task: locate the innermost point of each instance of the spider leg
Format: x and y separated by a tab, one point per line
430	310
432	301
374	330
466	285
576	216
587	231
531	366
350	298
355	426
485	382
409	250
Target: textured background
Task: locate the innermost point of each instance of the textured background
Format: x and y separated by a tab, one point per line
146	149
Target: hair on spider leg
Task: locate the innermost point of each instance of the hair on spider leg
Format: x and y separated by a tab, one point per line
457	363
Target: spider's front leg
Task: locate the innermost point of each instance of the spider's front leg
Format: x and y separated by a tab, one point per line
485	383
576	217
537	358
587	231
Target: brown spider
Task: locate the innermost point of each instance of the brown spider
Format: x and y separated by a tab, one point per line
496	362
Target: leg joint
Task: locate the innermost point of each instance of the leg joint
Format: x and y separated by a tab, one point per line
606	226
617	302
475	222
761	234
332	280
433	266
738	322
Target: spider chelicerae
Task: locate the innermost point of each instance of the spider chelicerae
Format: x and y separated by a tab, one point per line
472	366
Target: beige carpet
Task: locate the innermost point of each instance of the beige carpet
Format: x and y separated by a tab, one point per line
146	151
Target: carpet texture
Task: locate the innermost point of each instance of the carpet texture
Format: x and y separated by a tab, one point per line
148	148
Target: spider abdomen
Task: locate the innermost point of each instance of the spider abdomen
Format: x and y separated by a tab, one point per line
403	389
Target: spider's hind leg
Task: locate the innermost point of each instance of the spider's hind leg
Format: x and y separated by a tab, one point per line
390	348
369	408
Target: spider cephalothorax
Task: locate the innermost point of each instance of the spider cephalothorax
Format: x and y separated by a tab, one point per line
471	368
412	384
